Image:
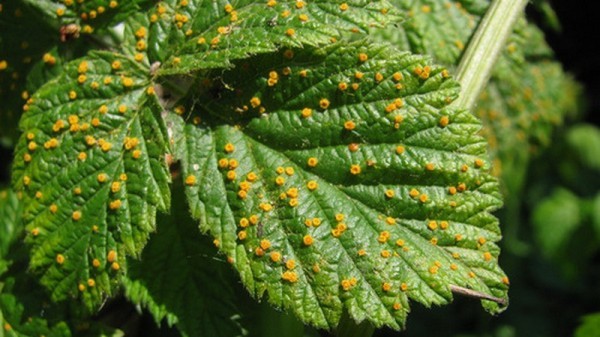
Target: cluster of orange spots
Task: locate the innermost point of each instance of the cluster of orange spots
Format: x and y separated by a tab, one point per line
242	235
433	241
362	57
396	104
378	77
26	180
347	284
481	240
339	230
422	72
49	59
430	166
265	207
51	143
312	161
53	208
104	145
290	264
289	276
122	108
478	163
444	121
383	236
432	225
300	4
423	198
306	112
385	254
130	142
324	103
349	125
180	19
414	193
231	175
361	252
400	150
386	286
461	187
355	169
60	259
312	185
271	3
35	231
316	222
342	86
275	256
77	190
464	168
389	194
290	32
505	280
344	7
115	204
273	78
390	220
487	256
76	216
303	17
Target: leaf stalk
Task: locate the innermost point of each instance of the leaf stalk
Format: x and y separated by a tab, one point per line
484	48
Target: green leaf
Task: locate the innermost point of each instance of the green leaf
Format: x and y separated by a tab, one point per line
555	219
10	220
206	35
584	140
180	278
590	326
91	165
346	183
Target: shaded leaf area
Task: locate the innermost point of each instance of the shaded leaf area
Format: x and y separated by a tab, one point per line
25	43
528	95
91	168
210	34
10	220
179	277
341	180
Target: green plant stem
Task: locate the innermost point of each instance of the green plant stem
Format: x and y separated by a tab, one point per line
489	40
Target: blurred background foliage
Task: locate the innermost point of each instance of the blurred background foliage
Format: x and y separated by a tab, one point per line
551	218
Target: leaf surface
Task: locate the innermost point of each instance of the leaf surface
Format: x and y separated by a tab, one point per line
346	184
91	165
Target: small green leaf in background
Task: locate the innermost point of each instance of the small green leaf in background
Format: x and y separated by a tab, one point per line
555	219
590	326
90	163
584	140
180	278
340	180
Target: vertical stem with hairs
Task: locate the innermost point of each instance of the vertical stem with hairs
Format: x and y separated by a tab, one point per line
484	48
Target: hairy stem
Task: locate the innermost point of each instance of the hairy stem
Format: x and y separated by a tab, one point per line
484	48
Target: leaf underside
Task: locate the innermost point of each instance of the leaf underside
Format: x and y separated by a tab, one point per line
378	195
